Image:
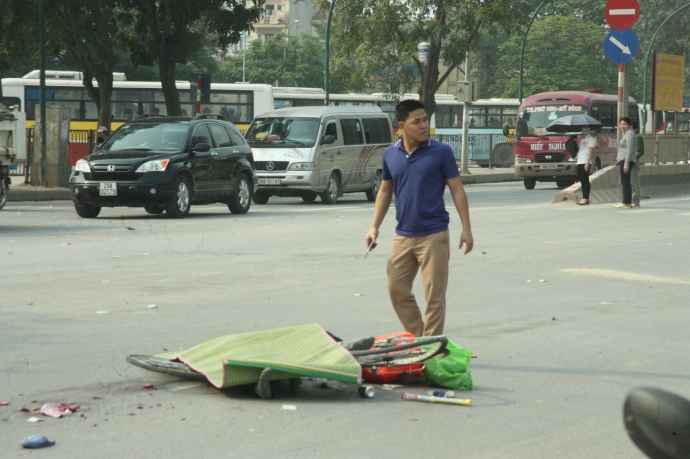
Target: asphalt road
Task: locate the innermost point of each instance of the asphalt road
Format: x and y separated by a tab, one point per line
565	307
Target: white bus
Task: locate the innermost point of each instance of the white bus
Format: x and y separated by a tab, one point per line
238	102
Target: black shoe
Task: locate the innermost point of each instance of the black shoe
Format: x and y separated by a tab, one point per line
263	389
579	203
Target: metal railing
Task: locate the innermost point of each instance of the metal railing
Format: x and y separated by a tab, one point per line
665	148
482	149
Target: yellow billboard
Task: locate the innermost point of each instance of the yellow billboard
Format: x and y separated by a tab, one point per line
668	82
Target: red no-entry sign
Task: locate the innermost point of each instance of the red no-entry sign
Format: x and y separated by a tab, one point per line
622	14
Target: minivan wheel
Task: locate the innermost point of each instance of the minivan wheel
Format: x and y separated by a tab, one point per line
260	197
309	196
87	211
178	206
154	209
3	193
330	196
241	199
529	183
374	190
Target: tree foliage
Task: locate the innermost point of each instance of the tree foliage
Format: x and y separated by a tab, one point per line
381	37
86	29
282	61
561	53
18	19
169	32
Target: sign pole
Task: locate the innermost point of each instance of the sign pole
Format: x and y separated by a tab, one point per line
621	98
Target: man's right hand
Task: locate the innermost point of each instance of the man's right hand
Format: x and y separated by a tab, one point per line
372	235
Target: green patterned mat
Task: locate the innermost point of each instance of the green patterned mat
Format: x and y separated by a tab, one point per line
304	350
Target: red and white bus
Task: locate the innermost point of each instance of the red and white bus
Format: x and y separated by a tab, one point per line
540	156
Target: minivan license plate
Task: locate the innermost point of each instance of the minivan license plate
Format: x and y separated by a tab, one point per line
269	181
549	166
107	189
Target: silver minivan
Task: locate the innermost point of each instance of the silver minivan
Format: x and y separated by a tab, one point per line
319	151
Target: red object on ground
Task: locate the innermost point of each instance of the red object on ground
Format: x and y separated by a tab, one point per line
387	375
622	14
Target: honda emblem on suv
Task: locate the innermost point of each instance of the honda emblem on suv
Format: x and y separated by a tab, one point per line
110	168
270	166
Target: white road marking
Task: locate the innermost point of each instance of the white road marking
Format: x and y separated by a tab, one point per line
626	275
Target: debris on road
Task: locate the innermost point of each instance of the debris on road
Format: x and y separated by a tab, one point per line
37	441
149	386
34	419
153	306
4	403
102	312
431	399
288	408
56	410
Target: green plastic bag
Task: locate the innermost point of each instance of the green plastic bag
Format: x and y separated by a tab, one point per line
451	371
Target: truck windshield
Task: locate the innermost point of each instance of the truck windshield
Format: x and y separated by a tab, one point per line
533	120
281	132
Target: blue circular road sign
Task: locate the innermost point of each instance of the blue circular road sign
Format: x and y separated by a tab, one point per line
621	46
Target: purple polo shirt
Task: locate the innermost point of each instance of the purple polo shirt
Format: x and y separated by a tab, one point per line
419	181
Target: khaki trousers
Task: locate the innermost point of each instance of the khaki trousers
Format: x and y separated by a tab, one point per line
432	254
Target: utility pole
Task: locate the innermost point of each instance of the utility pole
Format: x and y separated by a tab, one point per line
464	160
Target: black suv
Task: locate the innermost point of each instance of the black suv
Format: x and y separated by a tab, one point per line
167	164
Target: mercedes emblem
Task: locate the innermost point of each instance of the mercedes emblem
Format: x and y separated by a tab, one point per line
270	166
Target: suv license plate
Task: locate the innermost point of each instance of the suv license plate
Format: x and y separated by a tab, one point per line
549	166
107	189
269	181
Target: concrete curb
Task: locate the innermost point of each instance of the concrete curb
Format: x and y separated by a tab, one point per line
663	179
30	193
470	179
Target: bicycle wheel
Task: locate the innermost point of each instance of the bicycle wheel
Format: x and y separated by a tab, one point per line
401	347
397	358
160	365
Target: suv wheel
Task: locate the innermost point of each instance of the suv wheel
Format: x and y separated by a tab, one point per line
154	209
529	183
330	196
260	197
178	206
241	200
87	211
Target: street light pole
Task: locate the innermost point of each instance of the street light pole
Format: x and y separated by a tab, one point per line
646	69
328	40
244	58
522	48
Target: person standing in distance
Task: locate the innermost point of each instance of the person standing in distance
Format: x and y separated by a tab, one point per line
585	156
416	170
635	172
626	161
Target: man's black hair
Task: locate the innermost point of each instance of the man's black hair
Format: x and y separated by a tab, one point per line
634	125
403	109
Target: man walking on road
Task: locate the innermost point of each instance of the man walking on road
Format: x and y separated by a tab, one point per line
416	170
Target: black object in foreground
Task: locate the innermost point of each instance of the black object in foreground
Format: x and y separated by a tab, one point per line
658	422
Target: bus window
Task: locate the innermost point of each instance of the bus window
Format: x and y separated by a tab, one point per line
683	123
670	122
608	117
12	101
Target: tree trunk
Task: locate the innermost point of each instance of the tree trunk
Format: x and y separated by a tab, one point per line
430	79
105	89
166	69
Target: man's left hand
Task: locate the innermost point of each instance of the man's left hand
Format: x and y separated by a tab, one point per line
466	239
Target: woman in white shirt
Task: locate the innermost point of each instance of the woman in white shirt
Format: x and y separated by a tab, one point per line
584	160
